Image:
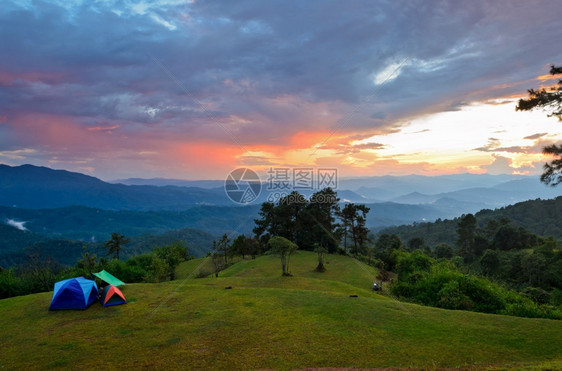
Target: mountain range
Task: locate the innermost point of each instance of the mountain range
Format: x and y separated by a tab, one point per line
446	196
40	204
35	187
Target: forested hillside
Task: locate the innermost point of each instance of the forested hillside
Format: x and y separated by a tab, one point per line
25	246
89	224
541	217
517	246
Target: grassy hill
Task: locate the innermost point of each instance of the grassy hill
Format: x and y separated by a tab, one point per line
269	322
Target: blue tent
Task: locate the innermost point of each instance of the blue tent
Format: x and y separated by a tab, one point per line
74	293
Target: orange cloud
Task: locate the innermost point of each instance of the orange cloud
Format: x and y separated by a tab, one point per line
200	160
303	139
103	128
547	77
56	132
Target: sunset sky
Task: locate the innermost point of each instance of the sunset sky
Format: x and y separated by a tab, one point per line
194	89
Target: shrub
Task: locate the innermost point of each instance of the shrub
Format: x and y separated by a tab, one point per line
158	270
532	310
451	297
536	294
10	285
125	271
202	274
409	264
556	297
441	284
443	251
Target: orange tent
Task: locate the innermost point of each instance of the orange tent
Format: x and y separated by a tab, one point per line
111	295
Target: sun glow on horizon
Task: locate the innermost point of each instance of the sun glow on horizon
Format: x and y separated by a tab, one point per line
471	137
477	138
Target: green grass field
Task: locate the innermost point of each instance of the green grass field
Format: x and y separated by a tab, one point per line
269	322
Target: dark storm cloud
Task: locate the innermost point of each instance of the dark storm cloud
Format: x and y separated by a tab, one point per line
179	67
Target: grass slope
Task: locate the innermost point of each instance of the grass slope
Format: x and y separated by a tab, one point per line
268	322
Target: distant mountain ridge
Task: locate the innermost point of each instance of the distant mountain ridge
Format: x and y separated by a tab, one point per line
29	186
429	198
389	186
34	187
502	194
66	210
162	182
472	190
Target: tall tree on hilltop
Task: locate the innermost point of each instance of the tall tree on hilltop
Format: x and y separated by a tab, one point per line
551	101
239	246
281	219
318	222
222	247
291	209
354	217
243	246
115	244
305	222
268	224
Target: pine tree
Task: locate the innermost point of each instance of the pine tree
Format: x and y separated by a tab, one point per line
551	101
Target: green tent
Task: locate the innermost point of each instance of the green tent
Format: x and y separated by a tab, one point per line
109	278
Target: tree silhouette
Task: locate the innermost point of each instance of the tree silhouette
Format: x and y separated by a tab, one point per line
88	261
304	222
114	246
318	221
353	217
551	101
222	247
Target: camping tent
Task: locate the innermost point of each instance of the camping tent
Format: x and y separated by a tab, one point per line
74	293
110	279
111	295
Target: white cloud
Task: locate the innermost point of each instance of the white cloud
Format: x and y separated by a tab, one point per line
389	73
19	154
500	165
163	22
16	224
